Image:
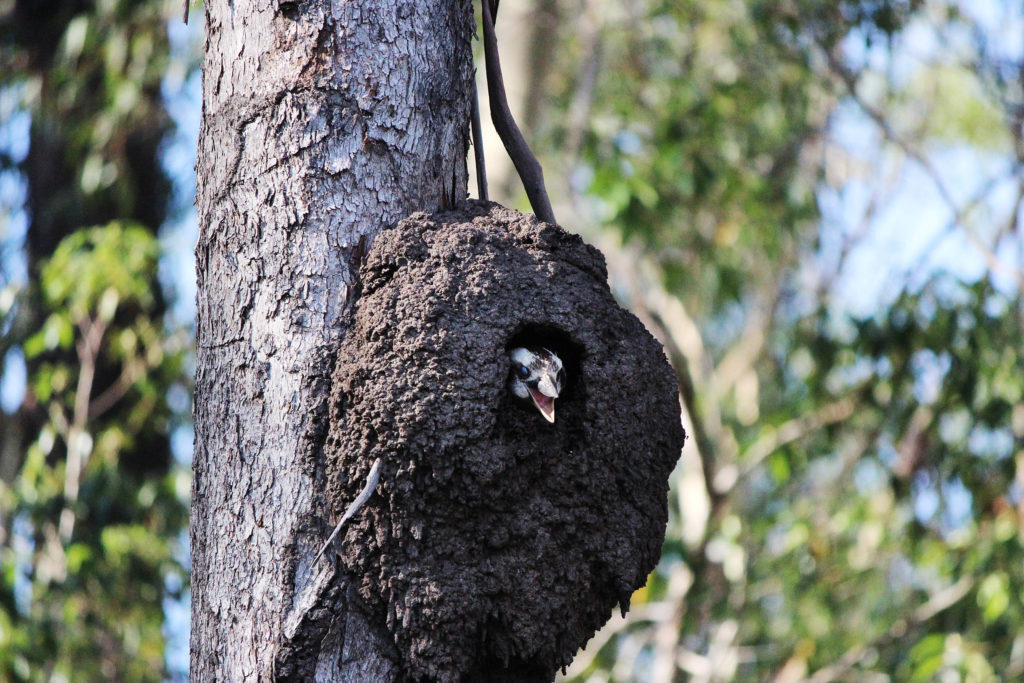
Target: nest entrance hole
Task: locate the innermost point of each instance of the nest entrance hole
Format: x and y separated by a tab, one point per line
553	339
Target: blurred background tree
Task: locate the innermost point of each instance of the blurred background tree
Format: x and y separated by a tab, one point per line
92	505
817	207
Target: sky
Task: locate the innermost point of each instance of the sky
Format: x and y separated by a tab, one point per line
912	235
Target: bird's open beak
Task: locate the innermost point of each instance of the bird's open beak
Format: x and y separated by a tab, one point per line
545	404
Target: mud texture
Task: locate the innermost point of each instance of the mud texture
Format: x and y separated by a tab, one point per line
497	543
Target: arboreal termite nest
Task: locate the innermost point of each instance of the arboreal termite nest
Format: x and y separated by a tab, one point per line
496	543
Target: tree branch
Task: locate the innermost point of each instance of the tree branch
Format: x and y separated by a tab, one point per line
792	430
88	350
959	213
939	602
478	147
529	169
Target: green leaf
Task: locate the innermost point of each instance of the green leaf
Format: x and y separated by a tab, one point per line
927	656
994	596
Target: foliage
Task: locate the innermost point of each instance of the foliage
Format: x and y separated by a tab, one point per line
93	534
89	75
852	501
701	155
92	507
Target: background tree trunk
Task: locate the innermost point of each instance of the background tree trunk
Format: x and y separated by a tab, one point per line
323	122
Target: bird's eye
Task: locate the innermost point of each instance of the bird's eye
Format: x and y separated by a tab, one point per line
523	371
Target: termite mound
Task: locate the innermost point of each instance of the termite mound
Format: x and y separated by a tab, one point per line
496	543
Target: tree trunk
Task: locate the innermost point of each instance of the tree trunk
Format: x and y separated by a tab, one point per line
323	122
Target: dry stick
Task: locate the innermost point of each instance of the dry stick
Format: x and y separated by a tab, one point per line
371	483
478	147
525	162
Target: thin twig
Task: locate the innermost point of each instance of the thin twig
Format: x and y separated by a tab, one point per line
478	147
130	372
529	169
371	483
88	350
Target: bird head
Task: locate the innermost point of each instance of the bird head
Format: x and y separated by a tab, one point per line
537	374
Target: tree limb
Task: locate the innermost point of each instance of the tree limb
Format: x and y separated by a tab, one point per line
959	213
939	602
478	147
529	169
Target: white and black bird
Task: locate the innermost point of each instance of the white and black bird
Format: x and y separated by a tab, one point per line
537	374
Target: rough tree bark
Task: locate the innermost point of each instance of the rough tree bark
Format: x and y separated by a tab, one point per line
323	122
